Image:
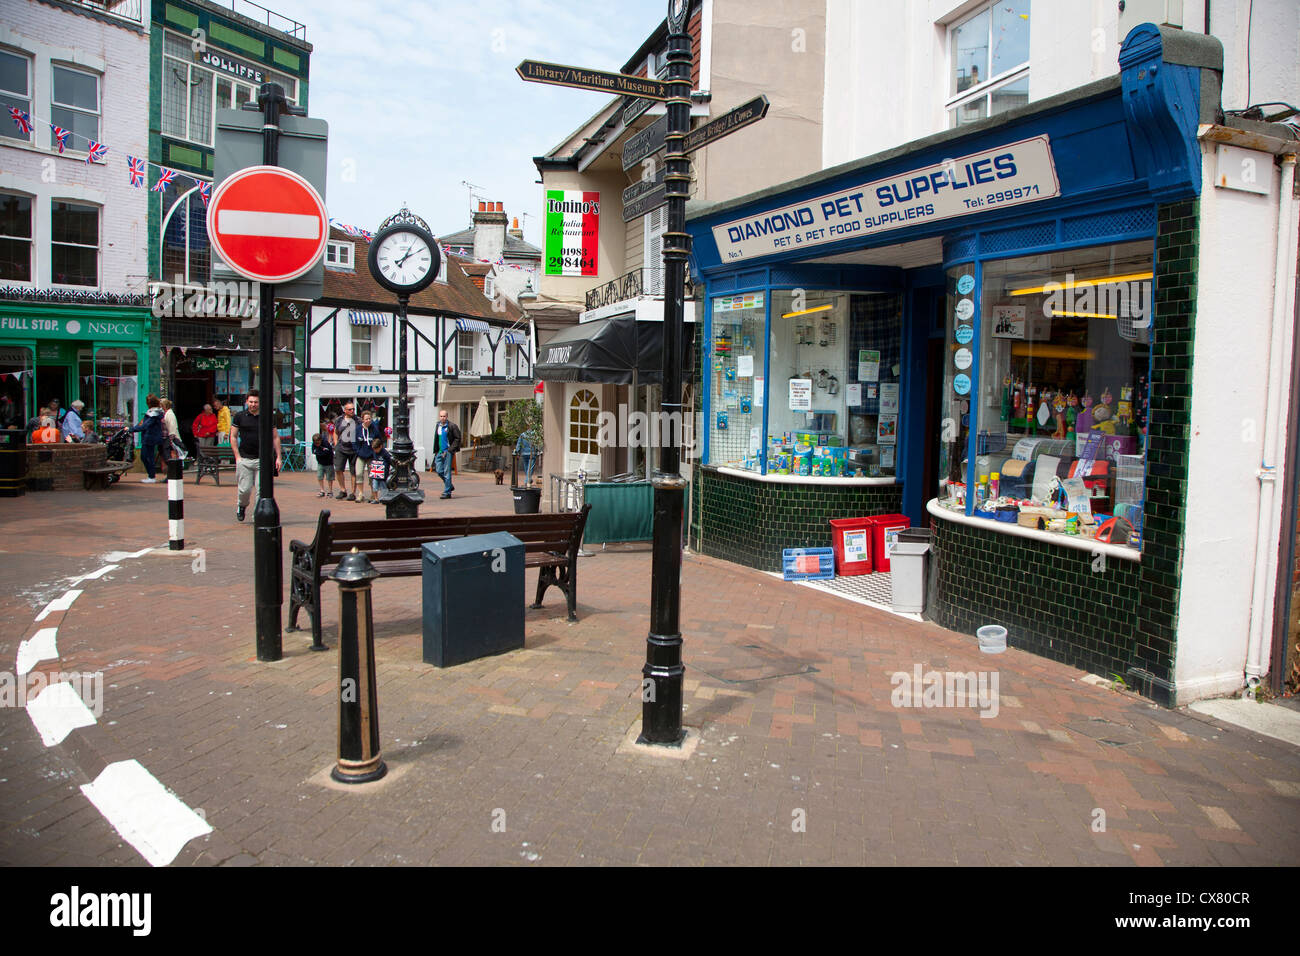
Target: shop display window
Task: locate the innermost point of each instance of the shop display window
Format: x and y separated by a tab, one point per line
109	386
1062	391
735	375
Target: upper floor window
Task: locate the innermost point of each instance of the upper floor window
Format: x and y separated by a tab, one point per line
15	238
489	287
656	223
15	91
988	57
338	254
74	244
75	104
363	337
465	351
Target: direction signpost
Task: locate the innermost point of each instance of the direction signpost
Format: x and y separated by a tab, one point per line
270	225
661	695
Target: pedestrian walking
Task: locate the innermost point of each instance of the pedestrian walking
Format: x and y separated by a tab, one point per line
151	437
72	428
245	441
204	427
381	469
173	447
367	432
222	411
323	452
446	442
345	452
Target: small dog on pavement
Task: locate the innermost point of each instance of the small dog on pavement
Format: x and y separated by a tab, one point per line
500	475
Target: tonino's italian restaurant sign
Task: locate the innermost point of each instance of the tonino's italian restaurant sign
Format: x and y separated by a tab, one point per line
1009	175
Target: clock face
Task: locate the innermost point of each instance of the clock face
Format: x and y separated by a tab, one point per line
404	258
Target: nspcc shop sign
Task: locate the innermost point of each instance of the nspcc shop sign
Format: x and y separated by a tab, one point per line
572	232
1006	176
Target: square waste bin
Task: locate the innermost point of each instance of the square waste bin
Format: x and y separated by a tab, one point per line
473	598
908	579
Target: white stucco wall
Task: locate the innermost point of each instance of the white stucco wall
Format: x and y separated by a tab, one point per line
120	56
1235	282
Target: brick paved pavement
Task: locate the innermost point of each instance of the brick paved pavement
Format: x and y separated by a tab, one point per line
789	688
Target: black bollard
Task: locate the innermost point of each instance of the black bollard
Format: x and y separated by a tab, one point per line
360	759
175	504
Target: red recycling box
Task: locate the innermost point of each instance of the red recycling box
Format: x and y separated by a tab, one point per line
851	541
884	535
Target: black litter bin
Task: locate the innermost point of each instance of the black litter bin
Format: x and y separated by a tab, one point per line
528	501
13	462
473	598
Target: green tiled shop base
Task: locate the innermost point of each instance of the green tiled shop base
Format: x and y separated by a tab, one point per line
751	522
1059	602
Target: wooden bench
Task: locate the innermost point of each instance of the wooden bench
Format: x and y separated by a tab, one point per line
104	476
551	543
213	460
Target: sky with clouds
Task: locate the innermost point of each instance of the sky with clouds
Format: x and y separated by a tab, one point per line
423	94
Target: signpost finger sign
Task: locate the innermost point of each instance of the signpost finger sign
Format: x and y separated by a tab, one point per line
268	223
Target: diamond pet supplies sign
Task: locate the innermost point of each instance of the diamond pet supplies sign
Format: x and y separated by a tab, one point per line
572	232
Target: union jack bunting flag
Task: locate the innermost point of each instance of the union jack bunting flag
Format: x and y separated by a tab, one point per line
205	192
95	152
60	136
164	178
21	119
136	168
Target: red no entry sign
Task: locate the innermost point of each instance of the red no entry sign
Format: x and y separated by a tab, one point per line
268	223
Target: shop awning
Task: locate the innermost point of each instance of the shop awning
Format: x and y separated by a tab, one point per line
472	325
367	318
606	351
516	338
453	392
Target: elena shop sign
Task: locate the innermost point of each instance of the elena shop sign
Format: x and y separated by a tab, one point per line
53	327
1011	175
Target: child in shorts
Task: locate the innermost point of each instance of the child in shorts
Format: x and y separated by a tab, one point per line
323	452
381	466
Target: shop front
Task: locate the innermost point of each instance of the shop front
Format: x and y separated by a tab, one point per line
95	353
377	394
990	332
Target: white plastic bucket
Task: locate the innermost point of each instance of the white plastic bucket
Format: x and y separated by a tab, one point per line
992	638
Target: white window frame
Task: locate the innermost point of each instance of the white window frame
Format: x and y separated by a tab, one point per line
289	83
363	335
489	287
99	239
465	347
12	133
30	240
339	254
986	87
97	112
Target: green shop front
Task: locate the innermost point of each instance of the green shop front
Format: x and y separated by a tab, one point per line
987	331
92	351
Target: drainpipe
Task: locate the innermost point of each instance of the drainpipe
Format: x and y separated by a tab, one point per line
1268	530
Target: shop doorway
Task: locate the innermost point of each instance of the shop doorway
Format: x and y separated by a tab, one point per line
52	382
582	447
191	394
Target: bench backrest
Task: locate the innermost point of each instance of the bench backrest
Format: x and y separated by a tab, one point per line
216	451
401	538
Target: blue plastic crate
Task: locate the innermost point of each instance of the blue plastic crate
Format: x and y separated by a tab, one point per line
790	563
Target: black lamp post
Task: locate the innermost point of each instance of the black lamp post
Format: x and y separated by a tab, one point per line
404	259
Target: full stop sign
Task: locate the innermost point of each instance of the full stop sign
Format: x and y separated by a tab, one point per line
268	223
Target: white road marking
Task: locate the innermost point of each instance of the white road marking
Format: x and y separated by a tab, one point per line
57	712
144	812
59	604
281	225
94	575
120	555
40	646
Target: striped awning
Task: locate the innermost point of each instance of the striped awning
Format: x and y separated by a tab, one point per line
472	325
367	318
516	338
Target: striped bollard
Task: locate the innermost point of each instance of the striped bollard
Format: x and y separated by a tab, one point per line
175	504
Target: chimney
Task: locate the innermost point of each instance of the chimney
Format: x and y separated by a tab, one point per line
515	231
489	231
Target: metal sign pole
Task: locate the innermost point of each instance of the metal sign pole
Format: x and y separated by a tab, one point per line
661	707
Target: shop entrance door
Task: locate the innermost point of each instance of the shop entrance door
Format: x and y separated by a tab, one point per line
582	448
192	393
52	382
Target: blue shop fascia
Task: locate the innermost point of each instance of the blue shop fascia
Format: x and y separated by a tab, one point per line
885	336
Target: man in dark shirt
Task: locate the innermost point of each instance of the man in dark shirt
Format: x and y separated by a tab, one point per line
345	452
446	442
246	442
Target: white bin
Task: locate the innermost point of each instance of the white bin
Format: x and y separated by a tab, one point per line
908	576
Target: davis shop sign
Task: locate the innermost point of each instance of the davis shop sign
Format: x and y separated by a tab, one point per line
572	232
1009	175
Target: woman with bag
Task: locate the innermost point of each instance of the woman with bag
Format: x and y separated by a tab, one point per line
367	432
151	437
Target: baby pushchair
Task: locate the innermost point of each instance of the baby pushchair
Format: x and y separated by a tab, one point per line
120	448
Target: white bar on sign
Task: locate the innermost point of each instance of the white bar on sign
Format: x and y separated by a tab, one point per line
279	225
